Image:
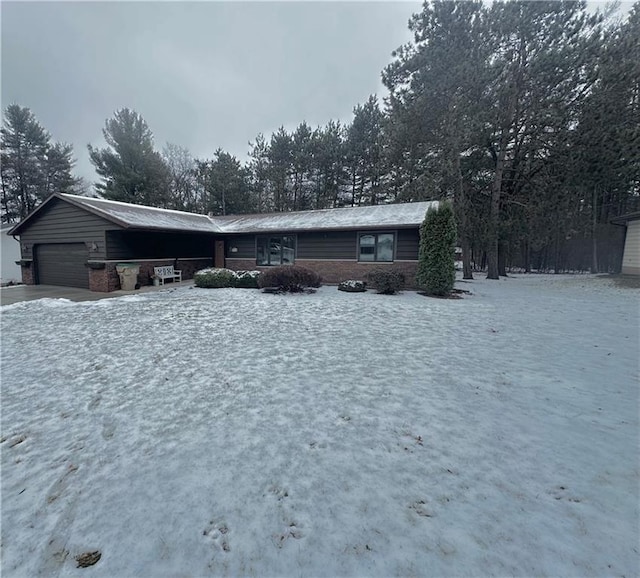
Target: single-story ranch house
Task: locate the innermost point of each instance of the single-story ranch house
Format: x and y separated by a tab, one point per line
77	241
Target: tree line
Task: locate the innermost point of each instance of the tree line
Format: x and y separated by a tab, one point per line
308	168
525	114
32	166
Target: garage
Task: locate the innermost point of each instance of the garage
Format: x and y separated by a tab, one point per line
72	241
63	264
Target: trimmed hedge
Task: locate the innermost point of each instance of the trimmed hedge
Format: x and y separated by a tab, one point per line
289	279
216	278
247	279
386	281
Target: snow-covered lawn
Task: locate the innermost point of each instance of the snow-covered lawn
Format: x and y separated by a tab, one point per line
196	432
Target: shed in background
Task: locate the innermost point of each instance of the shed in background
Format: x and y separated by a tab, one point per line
631	254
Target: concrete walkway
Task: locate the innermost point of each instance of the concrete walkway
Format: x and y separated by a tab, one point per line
18	293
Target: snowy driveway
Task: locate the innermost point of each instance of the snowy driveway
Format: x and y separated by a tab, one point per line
197	432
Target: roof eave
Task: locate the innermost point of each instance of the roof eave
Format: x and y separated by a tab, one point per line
170	230
624	219
320	229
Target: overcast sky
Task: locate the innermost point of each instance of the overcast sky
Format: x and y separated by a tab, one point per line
203	75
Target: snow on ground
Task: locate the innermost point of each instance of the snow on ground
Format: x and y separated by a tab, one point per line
197	432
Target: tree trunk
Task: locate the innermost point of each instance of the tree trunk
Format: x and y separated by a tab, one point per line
467	272
527	256
502	258
494	216
464	218
5	202
353	188
494	220
594	240
500	158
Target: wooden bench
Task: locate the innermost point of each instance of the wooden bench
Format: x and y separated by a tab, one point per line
167	272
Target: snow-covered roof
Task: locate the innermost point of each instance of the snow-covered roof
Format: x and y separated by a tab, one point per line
624	219
132	216
398	215
139	216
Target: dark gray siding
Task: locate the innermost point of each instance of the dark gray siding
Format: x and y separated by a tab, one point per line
245	245
61	222
407	244
327	245
158	245
313	245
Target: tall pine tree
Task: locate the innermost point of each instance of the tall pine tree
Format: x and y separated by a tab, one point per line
31	166
131	169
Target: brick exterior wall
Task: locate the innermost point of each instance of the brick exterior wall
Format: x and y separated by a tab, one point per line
27	274
243	265
332	272
107	279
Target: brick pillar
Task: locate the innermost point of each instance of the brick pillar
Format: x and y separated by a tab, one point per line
98	280
104	280
27	274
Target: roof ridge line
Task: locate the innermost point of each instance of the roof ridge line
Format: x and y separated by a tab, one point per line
125	204
275	213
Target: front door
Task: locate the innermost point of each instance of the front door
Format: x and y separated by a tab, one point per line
219	256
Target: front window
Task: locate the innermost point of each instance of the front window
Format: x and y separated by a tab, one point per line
276	250
374	247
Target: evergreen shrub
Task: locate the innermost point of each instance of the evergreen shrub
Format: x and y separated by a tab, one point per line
214	278
386	281
351	286
289	279
436	260
247	279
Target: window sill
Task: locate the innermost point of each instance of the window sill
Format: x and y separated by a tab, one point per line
275	265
